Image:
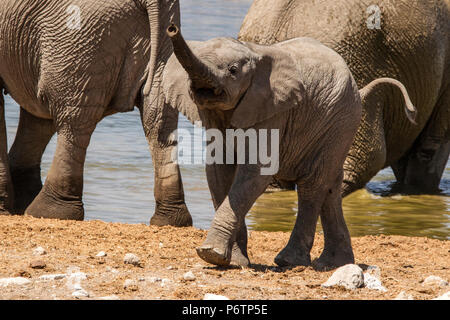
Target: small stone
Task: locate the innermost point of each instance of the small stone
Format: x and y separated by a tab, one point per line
189	276
132	259
211	296
47	277
165	282
39	251
349	276
404	296
373	283
154	279
38	264
161	245
80	293
130	285
19	281
435	281
101	254
445	296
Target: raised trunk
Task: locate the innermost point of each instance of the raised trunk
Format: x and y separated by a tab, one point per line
201	75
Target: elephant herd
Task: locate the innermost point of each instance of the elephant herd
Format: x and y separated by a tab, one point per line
295	68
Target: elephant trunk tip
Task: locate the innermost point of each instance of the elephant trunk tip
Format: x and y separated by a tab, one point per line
172	30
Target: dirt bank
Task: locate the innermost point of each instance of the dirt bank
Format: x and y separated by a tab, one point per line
167	254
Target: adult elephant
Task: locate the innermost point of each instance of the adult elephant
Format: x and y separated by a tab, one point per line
408	41
68	64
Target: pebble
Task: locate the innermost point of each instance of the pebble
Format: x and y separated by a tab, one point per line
38	264
434	281
349	276
39	251
189	276
165	282
373	283
211	296
47	277
445	296
14	281
130	285
404	296
80	293
101	254
132	259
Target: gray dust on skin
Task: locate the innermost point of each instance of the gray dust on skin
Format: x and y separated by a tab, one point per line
118	172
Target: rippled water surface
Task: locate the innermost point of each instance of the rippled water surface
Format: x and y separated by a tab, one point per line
119	175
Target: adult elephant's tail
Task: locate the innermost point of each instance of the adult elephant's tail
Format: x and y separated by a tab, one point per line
411	111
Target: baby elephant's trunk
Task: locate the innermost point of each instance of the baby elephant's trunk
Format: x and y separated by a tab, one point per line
411	111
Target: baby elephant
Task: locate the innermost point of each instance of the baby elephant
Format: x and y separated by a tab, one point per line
303	90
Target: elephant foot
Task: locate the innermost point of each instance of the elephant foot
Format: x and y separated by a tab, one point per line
215	251
27	185
239	258
171	215
48	205
292	257
334	258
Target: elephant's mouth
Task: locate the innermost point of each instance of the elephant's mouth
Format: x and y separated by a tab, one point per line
211	98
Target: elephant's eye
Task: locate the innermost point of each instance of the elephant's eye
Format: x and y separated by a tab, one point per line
233	70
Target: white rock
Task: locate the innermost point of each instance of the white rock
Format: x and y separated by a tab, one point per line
132	259
154	279
373	283
129	284
47	277
189	276
349	276
101	254
434	281
211	296
404	296
445	296
165	282
161	245
19	281
39	251
74	280
80	293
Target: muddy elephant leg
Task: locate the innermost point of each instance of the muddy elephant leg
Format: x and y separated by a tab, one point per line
421	169
220	178
32	137
297	251
159	127
247	186
61	195
6	187
338	249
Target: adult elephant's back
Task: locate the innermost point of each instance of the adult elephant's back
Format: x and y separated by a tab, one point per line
408	41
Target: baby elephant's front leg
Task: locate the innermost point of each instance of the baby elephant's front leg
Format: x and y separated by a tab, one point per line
248	185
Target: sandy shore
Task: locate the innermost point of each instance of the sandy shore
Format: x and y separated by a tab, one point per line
71	269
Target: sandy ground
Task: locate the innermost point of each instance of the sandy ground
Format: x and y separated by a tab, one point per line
167	254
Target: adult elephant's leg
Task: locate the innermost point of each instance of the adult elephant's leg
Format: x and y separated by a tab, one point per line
61	195
159	126
367	154
220	178
32	137
297	251
6	187
338	249
424	165
247	186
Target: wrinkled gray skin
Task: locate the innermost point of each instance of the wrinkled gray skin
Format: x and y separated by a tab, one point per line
413	46
66	80
303	89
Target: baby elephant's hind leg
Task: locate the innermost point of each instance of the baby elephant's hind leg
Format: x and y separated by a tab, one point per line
338	249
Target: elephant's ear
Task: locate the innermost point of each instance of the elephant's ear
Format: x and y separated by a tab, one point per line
175	86
276	87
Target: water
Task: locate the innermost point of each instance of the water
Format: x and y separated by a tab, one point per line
119	175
